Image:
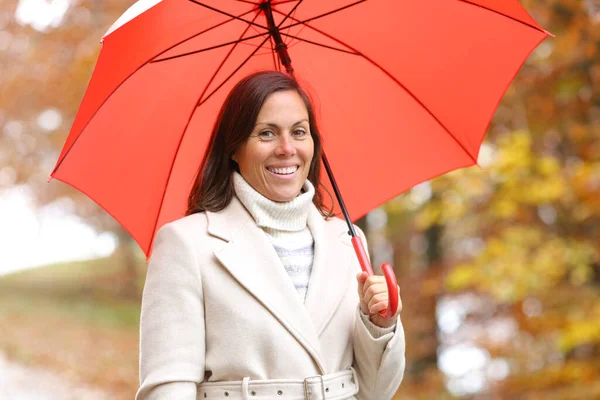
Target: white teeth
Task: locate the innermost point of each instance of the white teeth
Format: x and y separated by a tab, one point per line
283	171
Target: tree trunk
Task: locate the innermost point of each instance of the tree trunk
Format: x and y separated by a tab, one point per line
128	274
420	288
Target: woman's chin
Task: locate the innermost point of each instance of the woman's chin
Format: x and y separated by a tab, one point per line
282	196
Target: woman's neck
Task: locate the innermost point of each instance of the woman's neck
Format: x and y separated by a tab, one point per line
282	216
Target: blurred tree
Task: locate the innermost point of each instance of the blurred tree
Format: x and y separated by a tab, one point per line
525	229
429	284
44	74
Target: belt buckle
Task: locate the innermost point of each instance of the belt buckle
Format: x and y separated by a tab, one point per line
307	391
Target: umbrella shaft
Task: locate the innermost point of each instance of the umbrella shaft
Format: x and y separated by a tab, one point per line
338	195
284	56
280	46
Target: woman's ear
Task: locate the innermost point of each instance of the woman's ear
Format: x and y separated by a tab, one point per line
234	157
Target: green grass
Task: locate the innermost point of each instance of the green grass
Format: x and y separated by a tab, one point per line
70	272
106	312
86	291
62	273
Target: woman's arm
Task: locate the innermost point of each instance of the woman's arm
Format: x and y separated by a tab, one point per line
172	335
378	355
379	362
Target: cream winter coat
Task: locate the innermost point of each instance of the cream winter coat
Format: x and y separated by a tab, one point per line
219	306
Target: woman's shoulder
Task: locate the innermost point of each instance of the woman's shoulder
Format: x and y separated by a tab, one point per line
190	224
334	221
182	234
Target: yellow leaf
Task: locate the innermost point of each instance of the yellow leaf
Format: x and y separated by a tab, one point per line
581	274
461	277
548	166
504	208
578	333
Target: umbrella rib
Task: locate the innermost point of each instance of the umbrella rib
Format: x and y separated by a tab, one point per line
185	130
233	73
305	24
397	82
273	4
290	13
209	48
302	27
293	14
321	44
200	33
298	22
59	163
537	28
227	57
228	14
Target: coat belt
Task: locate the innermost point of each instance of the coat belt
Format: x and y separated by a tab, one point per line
335	386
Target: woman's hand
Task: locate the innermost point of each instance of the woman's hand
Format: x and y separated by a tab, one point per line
373	295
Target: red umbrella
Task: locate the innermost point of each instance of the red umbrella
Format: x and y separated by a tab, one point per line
404	90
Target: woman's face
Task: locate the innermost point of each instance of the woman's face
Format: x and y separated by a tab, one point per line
276	157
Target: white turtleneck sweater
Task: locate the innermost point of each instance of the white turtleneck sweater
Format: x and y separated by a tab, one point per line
285	225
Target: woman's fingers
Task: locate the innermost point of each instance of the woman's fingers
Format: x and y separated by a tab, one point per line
361	278
373	293
378	302
375	309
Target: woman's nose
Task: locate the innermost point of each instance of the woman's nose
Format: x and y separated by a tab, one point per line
286	146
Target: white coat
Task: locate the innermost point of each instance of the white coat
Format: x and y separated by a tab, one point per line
219	306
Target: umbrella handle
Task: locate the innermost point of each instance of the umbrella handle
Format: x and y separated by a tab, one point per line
388	272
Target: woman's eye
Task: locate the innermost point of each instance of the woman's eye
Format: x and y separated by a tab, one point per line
266	134
299	133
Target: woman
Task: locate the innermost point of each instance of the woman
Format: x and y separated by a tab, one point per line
251	295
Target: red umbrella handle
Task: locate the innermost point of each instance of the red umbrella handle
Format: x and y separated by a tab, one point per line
388	272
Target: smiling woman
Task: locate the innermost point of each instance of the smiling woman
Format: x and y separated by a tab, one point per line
251	293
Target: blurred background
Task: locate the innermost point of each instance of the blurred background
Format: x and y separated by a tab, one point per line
499	266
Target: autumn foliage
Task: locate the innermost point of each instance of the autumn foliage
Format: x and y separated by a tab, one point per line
499	263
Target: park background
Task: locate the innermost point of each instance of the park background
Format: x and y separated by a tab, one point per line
499	265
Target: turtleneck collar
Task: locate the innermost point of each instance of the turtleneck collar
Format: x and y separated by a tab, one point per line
288	216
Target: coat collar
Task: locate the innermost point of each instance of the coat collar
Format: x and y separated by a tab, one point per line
252	261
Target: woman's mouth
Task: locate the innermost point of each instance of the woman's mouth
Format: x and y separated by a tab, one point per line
283	171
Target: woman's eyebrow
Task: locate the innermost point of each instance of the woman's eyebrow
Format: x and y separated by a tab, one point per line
274	125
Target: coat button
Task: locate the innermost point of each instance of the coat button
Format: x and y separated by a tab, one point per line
226	394
253	393
279	392
343	385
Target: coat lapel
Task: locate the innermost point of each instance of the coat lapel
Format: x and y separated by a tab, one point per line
252	261
332	262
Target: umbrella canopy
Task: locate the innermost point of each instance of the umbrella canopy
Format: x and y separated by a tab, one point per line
404	91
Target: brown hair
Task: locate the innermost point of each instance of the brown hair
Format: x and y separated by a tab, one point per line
213	187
